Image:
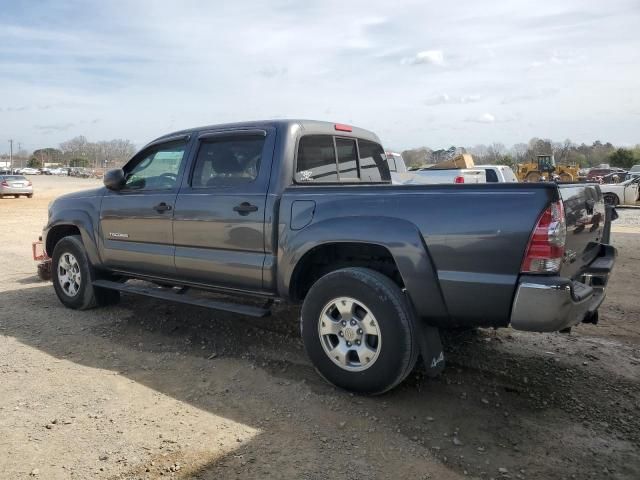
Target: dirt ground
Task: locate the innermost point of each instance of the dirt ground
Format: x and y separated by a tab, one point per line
148	389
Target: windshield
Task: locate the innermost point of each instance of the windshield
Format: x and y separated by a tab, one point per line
14	177
635	168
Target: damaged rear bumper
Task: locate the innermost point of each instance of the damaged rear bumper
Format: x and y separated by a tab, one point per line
549	304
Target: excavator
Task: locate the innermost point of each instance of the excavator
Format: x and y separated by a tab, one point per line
546	169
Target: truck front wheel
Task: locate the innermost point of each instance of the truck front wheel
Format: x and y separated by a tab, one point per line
358	330
73	274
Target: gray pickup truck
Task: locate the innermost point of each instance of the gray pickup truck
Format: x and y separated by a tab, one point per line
304	212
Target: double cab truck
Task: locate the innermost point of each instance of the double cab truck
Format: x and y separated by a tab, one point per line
304	212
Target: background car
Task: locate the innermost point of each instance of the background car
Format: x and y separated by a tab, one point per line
595	174
16	185
29	171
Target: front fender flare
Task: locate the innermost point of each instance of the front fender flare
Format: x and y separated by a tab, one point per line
81	220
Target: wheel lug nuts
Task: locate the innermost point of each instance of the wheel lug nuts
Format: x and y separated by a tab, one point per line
357	342
344	324
353	322
360	331
348	344
340	333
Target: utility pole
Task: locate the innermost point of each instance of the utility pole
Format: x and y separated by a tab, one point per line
21	158
11	155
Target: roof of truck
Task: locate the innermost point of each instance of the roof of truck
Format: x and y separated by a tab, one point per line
311	126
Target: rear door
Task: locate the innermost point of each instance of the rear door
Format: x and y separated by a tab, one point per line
220	210
136	221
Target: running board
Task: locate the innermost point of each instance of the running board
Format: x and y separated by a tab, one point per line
182	298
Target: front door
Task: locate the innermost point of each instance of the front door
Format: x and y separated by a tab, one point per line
220	210
136	221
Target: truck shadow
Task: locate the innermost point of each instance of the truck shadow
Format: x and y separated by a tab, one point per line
491	408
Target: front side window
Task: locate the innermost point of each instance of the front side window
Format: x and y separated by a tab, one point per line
226	161
158	169
324	158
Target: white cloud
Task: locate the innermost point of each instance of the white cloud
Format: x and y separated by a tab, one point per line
451	100
484	118
427	57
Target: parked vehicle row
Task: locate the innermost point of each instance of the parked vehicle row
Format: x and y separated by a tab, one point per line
304	212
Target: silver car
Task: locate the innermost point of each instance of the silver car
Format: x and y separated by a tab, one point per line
15	185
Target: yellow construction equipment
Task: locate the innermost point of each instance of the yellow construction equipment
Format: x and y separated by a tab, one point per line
545	169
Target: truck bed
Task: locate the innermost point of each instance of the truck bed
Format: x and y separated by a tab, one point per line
474	235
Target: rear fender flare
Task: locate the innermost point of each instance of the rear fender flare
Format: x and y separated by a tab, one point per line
400	237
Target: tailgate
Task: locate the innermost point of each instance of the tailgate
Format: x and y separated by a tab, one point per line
585	215
474	176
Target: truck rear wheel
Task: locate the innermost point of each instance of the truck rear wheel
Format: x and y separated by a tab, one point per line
358	330
73	274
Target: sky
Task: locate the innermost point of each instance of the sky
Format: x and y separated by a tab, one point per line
416	72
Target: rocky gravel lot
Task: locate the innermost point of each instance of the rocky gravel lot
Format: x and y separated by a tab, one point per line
148	389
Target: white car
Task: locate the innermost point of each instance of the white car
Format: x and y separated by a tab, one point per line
625	193
498	174
29	171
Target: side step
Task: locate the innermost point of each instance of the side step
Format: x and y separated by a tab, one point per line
182	298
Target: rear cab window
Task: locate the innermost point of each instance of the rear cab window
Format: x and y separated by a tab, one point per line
333	159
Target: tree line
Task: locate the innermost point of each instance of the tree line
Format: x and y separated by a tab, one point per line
79	152
565	153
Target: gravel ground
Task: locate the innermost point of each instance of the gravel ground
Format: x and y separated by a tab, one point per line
148	389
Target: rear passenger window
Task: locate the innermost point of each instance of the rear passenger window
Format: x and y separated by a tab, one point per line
373	162
320	160
316	159
226	161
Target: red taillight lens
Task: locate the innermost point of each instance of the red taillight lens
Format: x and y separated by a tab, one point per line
29	183
4	183
546	246
458	179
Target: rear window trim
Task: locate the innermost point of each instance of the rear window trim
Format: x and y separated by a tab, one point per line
351	181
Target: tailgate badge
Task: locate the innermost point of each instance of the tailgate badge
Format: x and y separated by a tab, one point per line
118	235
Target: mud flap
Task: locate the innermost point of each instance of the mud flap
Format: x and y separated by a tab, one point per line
431	349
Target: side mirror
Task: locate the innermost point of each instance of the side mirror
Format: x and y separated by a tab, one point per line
114	179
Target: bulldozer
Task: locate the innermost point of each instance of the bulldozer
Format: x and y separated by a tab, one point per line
545	169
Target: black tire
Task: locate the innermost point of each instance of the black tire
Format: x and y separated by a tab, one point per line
16	196
611	199
30	195
87	296
398	350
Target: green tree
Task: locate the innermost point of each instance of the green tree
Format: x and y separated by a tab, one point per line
34	163
622	158
78	162
506	160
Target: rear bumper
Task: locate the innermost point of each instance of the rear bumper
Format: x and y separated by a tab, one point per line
549	304
16	190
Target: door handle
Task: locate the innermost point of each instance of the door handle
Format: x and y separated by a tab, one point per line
162	207
245	208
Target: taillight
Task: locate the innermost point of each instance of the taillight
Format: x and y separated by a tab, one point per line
546	246
458	179
29	183
4	183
